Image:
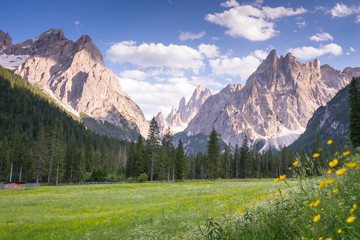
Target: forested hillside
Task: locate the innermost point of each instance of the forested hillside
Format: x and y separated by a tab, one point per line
41	142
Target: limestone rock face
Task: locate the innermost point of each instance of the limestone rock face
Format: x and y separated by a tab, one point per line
275	105
74	74
178	120
5	40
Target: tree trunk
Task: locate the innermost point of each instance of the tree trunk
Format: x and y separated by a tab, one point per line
11	170
57	172
51	160
37	179
71	172
168	175
20	174
152	167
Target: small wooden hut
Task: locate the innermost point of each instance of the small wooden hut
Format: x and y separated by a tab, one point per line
20	185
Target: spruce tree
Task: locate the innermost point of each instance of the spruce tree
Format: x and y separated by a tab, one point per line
244	158
180	162
354	118
213	156
153	142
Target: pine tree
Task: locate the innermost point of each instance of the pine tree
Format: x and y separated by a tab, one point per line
167	155
354	118
41	153
180	162
244	158
153	142
213	156
225	163
237	161
139	164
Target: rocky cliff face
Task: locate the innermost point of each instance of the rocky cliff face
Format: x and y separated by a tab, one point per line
74	74
275	105
178	119
330	122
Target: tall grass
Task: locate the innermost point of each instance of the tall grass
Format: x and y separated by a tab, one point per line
324	207
124	211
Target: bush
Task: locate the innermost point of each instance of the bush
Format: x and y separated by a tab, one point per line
143	177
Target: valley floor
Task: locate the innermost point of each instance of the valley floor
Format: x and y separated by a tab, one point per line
124	211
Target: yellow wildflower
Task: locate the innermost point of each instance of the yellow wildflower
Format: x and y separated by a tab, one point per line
333	163
329	181
322	184
317	203
296	163
276	180
329	239
350	219
321	238
353	208
336	216
336	190
316	155
282	177
339	231
346	153
290	168
329	172
329	142
351	164
311	204
317	218
341	171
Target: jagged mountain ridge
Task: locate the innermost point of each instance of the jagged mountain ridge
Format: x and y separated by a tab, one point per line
330	122
178	119
74	74
275	105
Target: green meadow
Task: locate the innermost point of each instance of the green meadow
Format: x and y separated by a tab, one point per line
125	211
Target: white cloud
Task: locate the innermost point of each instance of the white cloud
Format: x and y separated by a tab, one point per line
209	50
77	23
237	67
191	36
351	50
309	52
321	37
342	10
156	55
252	23
301	24
133	74
357	20
160	97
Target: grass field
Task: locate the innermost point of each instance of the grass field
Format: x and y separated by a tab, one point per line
124	211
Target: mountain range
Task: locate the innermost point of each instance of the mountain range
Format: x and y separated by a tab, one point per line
74	75
272	109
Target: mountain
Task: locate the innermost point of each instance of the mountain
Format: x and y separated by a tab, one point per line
178	119
74	75
274	106
330	122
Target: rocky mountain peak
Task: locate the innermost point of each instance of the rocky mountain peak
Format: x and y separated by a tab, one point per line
181	104
85	42
70	73
5	40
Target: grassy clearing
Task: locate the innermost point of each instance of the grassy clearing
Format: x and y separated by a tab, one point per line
124	211
325	207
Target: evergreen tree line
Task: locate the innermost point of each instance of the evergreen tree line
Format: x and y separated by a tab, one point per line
41	143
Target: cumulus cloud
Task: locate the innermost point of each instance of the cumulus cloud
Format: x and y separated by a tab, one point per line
237	67
357	20
77	23
342	10
321	37
191	36
159	97
156	55
209	50
250	22
133	74
309	52
351	50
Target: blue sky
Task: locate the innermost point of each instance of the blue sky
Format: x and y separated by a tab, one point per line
162	49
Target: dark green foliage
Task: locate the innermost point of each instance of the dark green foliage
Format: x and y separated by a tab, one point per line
354	116
213	155
180	162
153	143
143	177
40	142
244	159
